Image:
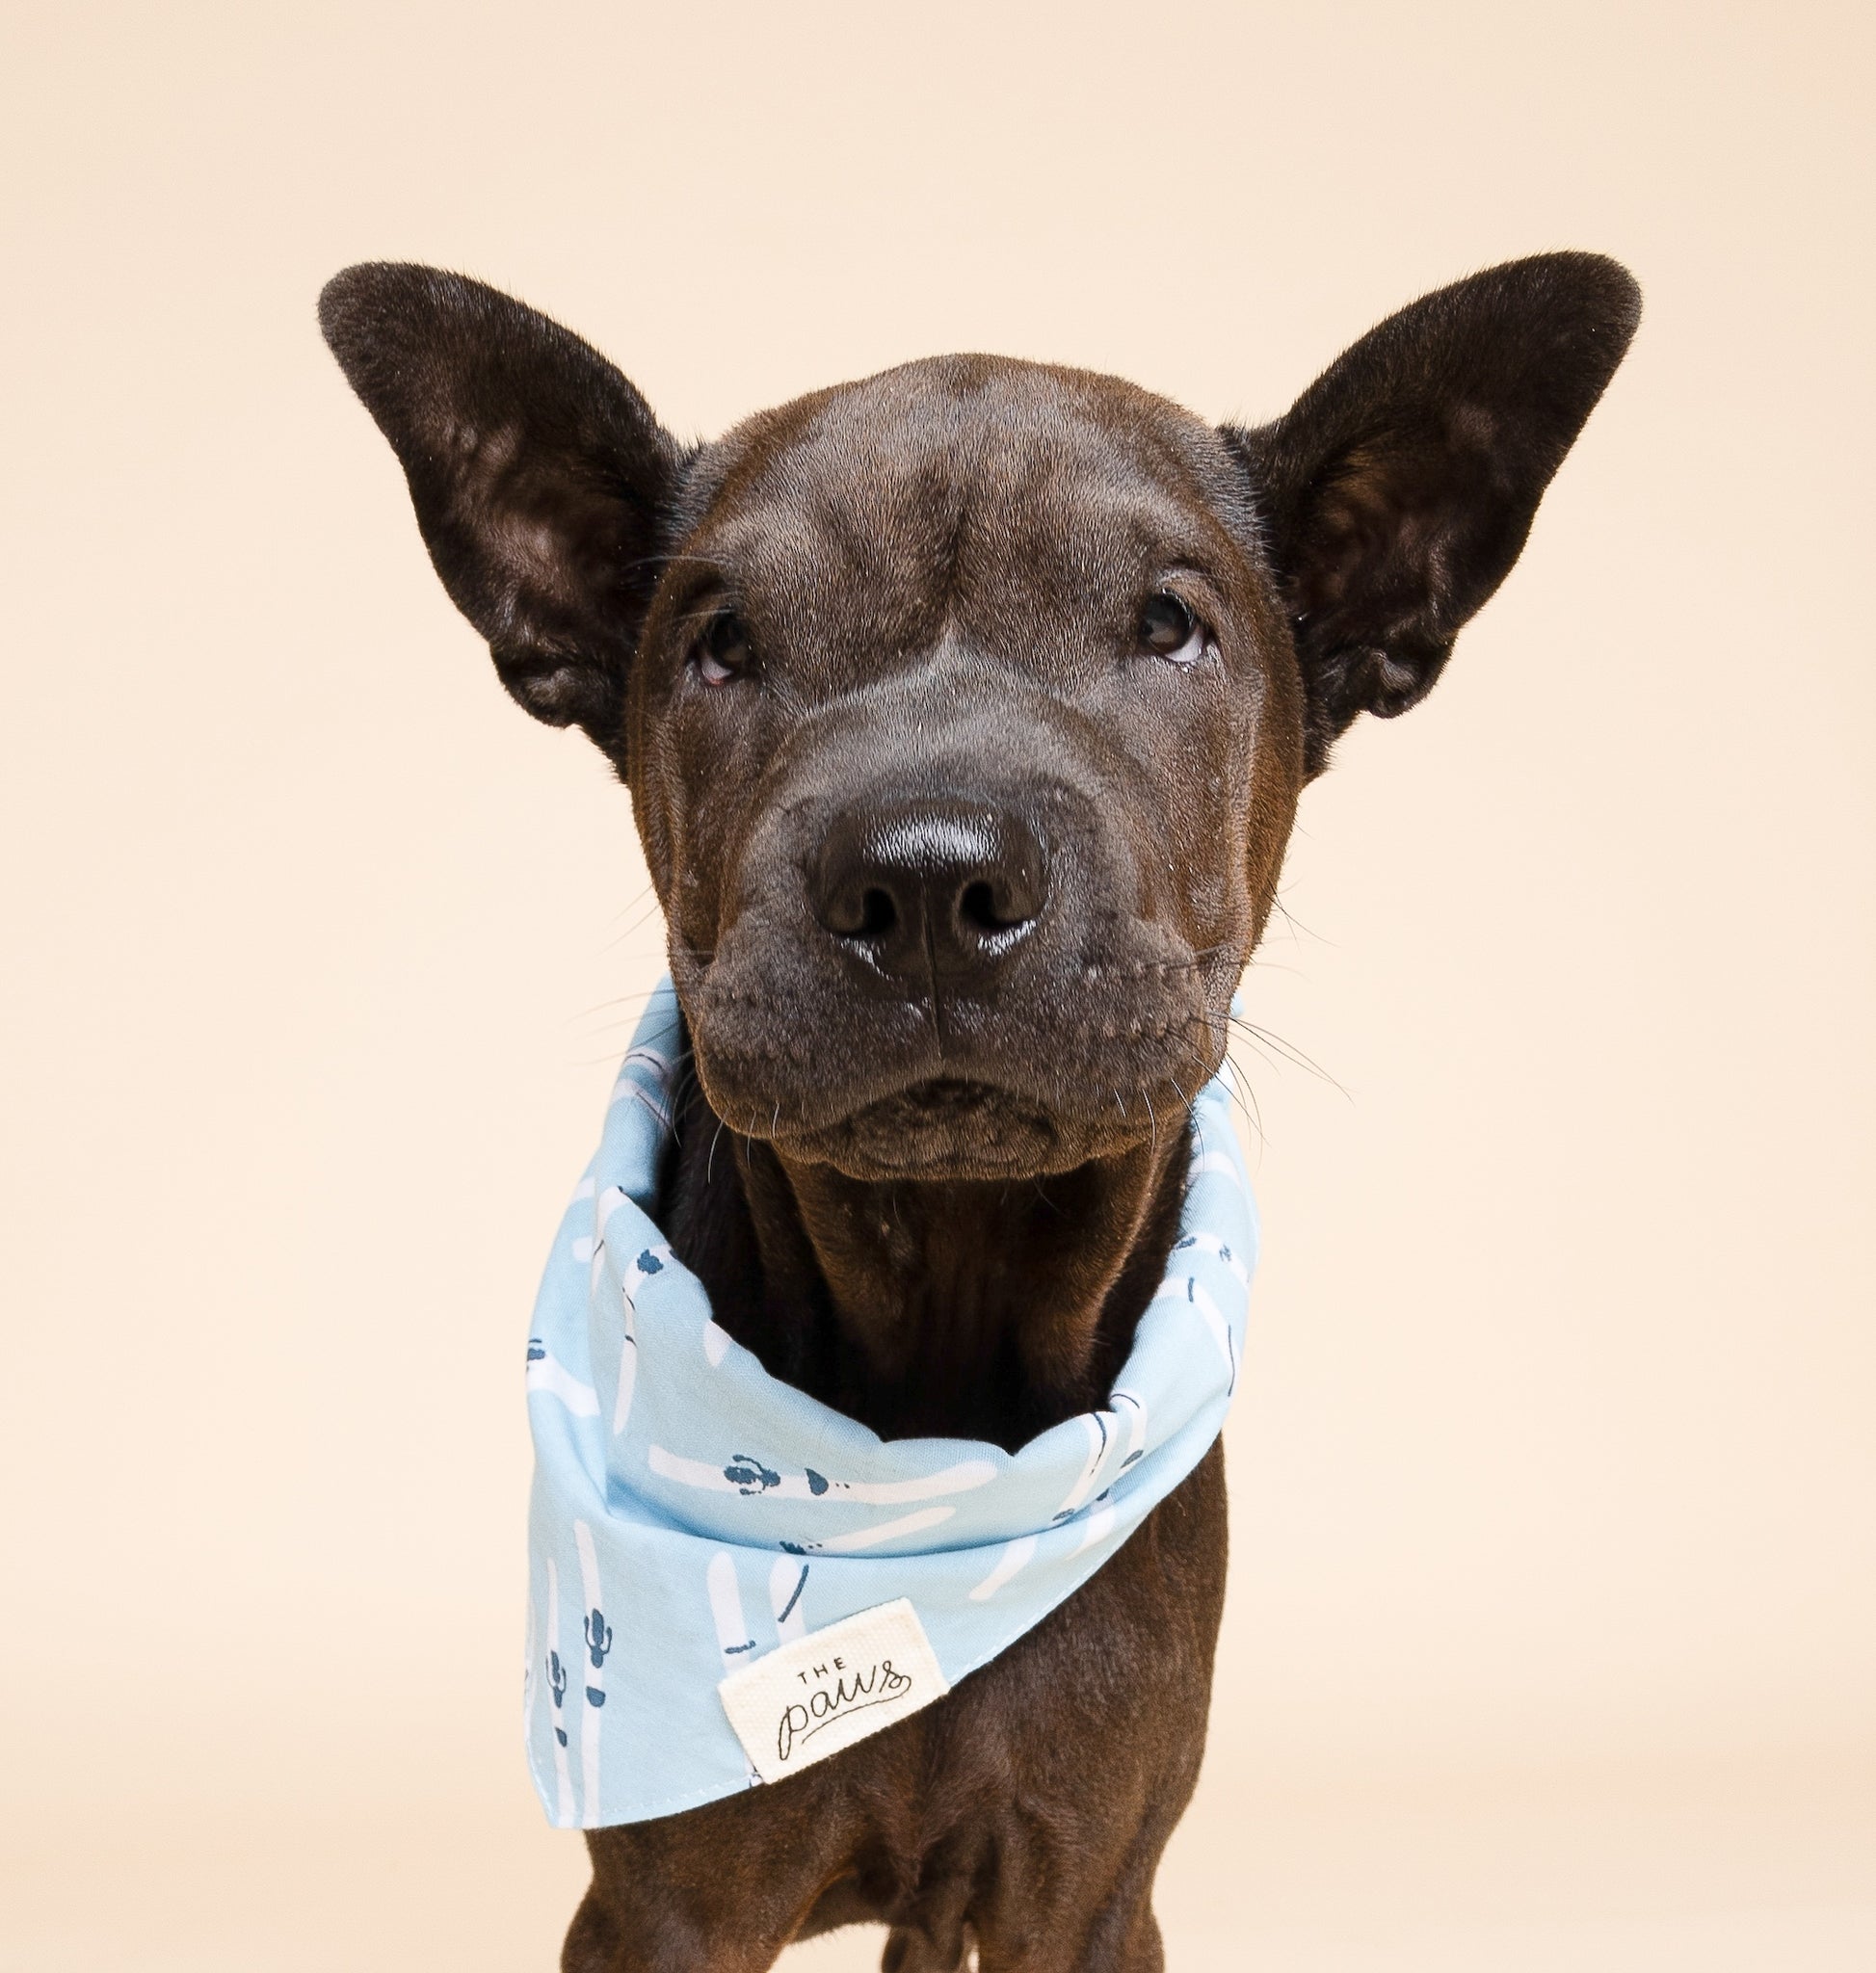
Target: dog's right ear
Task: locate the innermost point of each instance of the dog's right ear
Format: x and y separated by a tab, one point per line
540	477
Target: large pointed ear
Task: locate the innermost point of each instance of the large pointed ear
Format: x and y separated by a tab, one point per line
540	477
1399	488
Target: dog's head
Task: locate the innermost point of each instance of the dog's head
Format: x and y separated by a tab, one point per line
965	709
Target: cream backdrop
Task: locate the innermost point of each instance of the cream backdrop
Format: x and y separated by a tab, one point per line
1552	1630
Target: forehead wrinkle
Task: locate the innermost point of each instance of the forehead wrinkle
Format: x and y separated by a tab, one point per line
873	513
839	570
1083	526
870	516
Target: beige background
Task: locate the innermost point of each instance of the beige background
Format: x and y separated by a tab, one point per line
1553	1634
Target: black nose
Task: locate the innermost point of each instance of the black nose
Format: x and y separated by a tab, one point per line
937	887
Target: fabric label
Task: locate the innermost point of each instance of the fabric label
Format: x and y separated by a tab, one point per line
823	1692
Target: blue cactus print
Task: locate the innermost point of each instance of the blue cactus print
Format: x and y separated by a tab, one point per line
749	1475
557	1684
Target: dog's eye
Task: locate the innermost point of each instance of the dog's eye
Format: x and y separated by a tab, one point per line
1170	630
723	650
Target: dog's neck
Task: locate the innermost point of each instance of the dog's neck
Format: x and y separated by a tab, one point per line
970	1309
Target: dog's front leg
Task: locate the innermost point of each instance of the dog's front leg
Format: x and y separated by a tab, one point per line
1059	1935
717	1889
612	1934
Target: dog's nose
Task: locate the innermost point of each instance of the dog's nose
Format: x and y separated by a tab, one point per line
937	887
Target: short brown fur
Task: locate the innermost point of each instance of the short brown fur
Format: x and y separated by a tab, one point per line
964	712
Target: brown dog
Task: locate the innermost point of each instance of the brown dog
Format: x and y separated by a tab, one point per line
964	712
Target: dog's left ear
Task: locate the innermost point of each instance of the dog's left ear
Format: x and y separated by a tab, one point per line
1400	487
540	477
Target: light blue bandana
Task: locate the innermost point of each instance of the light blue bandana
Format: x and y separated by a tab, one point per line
728	1579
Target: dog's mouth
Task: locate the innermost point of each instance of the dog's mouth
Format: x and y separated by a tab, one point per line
1016	1093
944	1129
1059	1060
